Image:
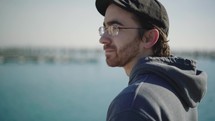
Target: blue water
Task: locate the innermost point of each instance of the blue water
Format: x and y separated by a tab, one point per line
72	92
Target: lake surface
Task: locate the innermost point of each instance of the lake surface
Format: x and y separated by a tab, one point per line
72	91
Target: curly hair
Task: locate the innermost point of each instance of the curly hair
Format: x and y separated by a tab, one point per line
161	48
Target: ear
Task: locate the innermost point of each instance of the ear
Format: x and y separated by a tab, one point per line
150	38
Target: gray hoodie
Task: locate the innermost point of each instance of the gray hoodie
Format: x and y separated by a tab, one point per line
160	89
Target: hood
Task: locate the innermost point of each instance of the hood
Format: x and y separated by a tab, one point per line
190	84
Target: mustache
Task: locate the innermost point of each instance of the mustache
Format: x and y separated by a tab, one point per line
109	47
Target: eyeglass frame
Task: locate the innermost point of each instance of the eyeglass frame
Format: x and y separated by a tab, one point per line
115	29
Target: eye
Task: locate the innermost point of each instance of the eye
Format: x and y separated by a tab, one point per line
113	30
102	30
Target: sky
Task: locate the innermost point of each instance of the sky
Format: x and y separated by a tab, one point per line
75	23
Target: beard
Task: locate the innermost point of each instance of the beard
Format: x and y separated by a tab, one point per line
124	55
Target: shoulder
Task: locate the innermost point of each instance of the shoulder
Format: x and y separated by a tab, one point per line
124	108
133	102
142	99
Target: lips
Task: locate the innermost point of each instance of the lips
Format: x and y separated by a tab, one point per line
109	49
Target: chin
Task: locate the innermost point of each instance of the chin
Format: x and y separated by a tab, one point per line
111	63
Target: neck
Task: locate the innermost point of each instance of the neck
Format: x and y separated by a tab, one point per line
129	66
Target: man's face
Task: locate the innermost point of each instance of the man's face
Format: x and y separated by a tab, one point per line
124	47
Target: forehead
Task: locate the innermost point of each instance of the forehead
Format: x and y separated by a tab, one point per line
116	15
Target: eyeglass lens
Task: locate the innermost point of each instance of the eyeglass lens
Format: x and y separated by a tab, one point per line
112	30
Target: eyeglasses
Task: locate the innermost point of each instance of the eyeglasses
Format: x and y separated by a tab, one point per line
113	30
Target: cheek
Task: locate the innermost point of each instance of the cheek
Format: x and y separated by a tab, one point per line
127	38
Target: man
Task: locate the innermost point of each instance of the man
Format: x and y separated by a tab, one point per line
161	87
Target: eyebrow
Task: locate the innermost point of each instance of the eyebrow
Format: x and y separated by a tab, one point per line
112	22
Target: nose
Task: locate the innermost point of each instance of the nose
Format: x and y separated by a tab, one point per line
105	39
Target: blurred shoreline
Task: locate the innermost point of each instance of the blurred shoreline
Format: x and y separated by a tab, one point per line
76	55
48	55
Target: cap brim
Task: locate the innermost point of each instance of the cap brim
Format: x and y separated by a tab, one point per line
102	5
